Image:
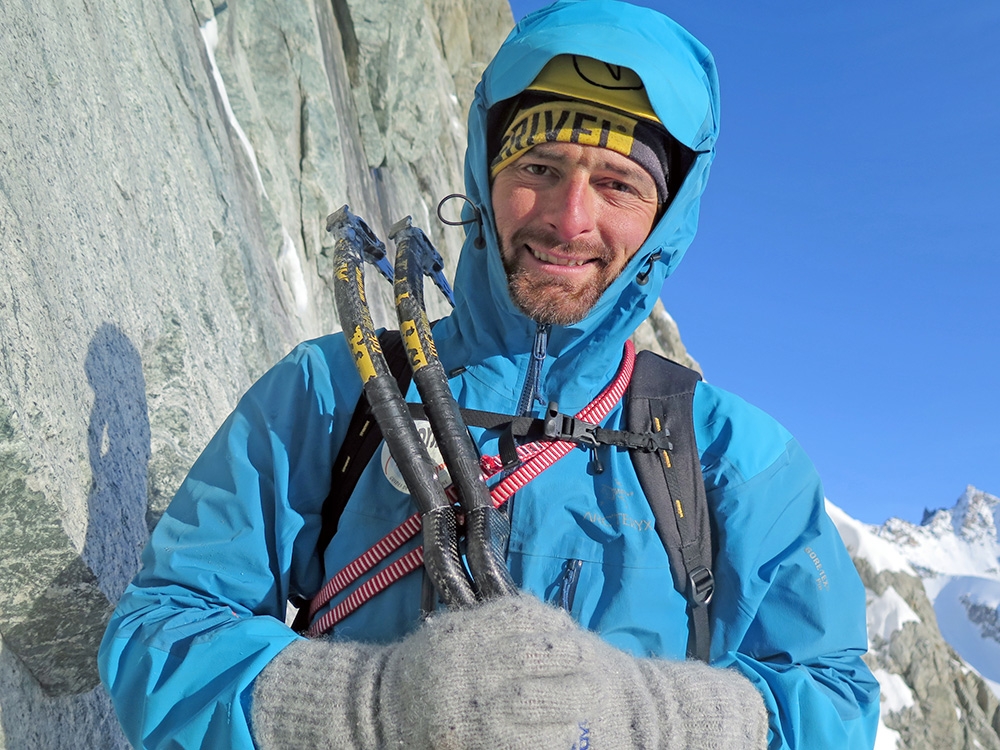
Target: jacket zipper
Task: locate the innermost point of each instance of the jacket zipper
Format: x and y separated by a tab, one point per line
567	587
530	392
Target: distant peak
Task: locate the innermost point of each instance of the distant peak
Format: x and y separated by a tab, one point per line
974	517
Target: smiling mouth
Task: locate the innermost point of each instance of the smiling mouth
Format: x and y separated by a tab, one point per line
555	259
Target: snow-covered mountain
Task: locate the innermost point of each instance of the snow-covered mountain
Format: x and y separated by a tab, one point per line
933	622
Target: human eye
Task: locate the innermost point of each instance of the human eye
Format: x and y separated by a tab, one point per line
533	168
622	187
627	186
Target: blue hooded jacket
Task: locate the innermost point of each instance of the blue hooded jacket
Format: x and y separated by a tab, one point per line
206	612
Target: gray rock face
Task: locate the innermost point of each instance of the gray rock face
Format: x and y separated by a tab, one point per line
165	172
660	334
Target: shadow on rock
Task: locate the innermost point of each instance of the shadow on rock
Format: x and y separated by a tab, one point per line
119	447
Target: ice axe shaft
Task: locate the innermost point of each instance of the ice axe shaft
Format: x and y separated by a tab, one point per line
487	527
354	241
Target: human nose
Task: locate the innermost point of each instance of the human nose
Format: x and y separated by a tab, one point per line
573	212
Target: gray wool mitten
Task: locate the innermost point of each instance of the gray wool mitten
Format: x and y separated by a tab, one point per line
512	673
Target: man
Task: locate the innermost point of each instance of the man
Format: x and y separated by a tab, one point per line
590	141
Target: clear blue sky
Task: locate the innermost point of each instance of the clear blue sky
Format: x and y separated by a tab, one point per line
845	274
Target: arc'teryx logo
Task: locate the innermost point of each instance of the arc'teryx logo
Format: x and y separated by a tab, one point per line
618	521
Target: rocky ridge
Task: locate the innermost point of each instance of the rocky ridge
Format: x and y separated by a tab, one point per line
933	696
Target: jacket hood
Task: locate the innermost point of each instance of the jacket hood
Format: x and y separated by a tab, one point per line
680	79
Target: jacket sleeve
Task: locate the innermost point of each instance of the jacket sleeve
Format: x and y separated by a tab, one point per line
205	614
789	608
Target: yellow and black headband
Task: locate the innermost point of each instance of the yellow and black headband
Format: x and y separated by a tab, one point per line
581	100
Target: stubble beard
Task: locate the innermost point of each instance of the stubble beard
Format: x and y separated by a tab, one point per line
551	301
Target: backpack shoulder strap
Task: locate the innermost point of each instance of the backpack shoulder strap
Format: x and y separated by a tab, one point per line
361	441
661	395
359	446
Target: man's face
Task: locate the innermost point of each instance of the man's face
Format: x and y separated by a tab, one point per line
569	218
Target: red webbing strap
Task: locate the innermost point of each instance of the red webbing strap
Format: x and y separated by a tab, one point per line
536	458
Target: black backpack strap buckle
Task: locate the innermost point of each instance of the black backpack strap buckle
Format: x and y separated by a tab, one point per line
701	586
558	426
